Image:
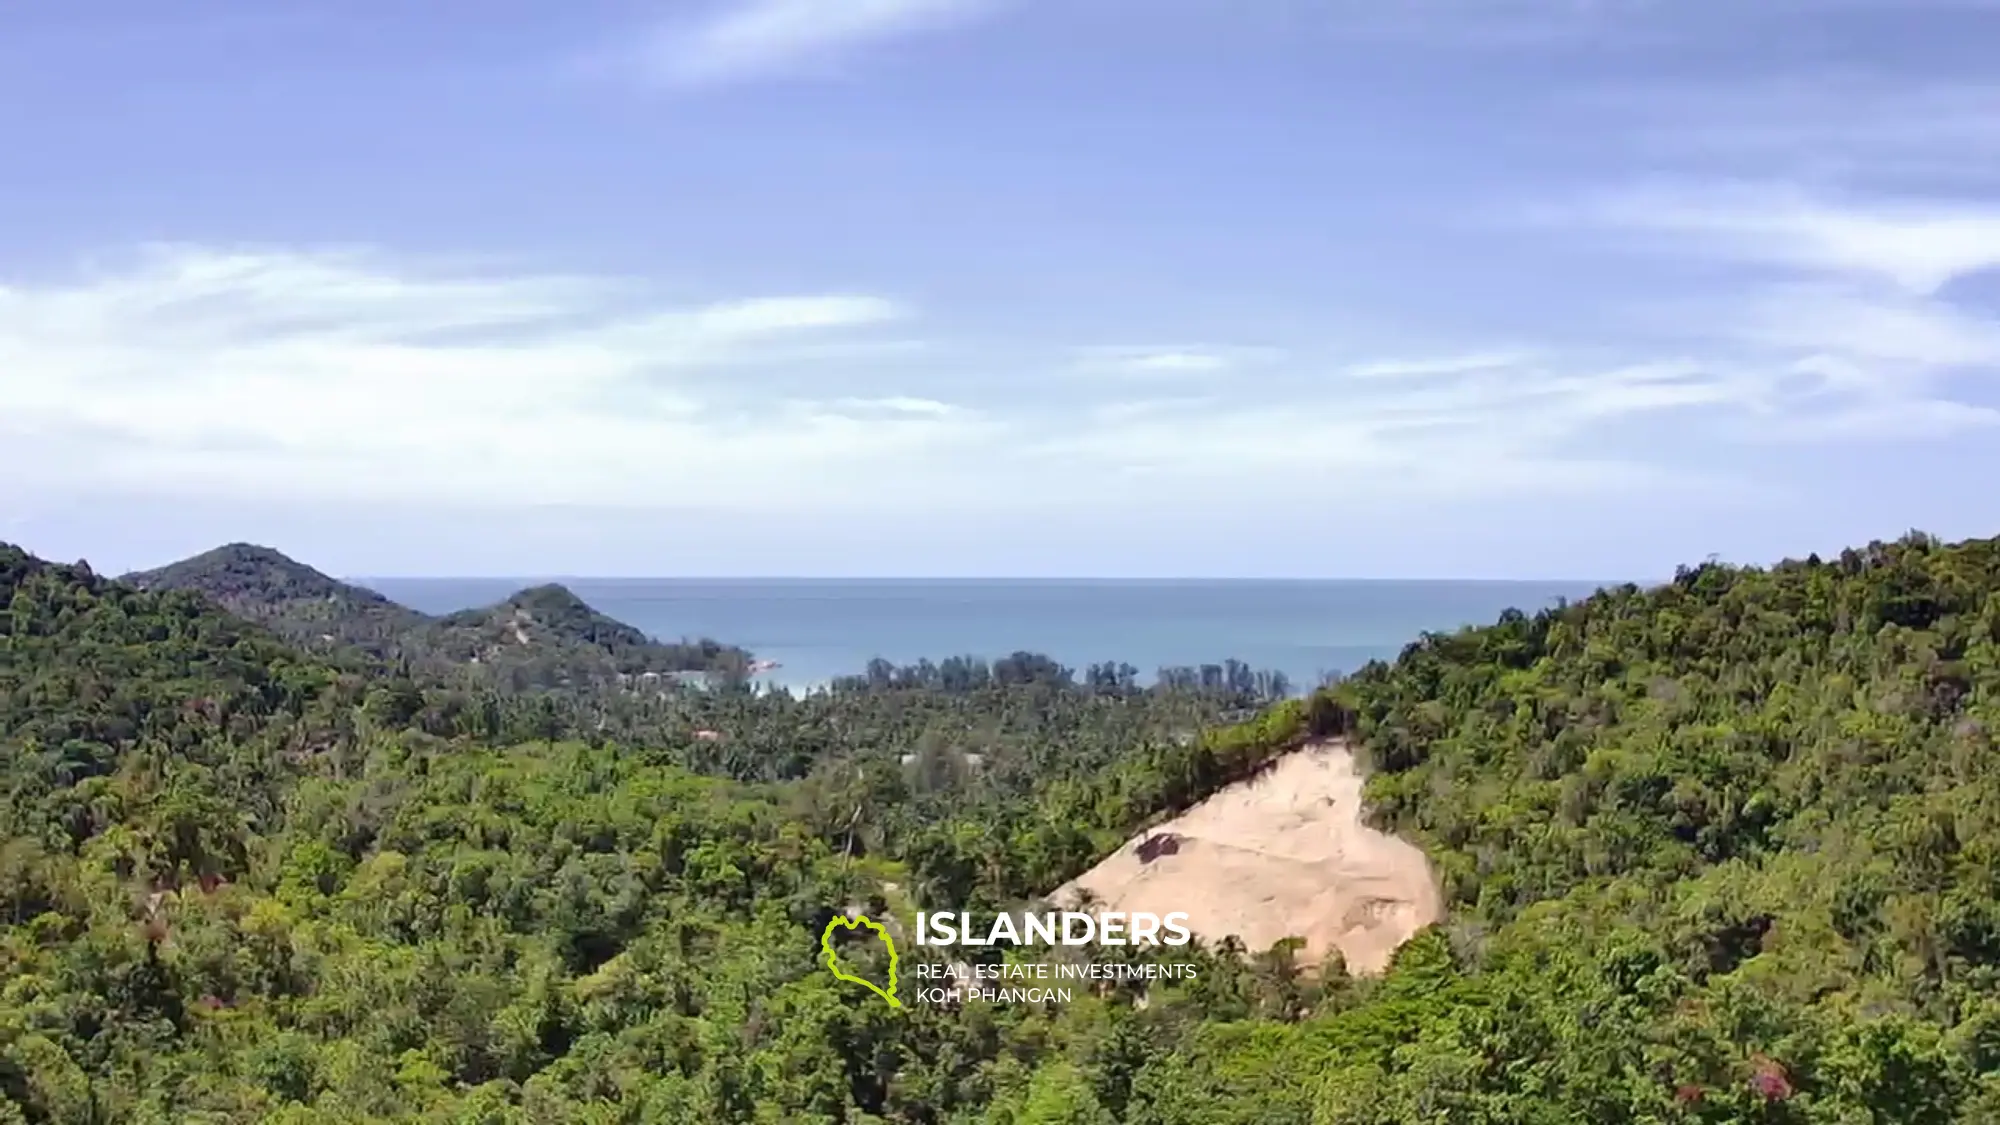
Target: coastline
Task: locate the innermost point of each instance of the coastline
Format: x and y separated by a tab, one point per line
818	631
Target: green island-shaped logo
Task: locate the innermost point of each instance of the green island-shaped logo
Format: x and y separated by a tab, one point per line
833	962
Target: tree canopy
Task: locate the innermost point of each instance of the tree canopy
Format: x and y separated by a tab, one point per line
540	638
1723	850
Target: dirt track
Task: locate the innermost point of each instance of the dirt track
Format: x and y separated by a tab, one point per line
1283	855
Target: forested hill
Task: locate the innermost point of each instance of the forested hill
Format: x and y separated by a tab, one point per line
294	600
1727	850
543	637
240	884
553	617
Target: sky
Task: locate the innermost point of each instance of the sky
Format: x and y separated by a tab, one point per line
1283	288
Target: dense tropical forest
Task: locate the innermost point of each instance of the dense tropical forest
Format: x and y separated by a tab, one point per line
544	637
1727	850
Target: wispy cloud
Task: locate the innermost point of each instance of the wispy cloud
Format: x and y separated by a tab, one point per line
1515	432
1171	361
1436	365
1846	311
1881	327
1921	245
306	376
749	39
338	375
899	404
1875	420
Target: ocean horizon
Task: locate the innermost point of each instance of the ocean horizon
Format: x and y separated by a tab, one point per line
819	629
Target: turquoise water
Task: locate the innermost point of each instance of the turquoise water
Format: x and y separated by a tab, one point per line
817	629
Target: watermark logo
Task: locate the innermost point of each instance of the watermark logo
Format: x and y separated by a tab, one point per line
951	927
833	960
953	982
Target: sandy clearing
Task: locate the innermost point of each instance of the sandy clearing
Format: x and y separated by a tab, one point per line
1285	854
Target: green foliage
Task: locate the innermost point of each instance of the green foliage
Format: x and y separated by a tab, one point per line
1722	851
540	638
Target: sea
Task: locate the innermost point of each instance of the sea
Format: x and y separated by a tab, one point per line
820	629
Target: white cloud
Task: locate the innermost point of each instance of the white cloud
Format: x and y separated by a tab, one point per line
1850	328
303	376
748	319
1887	421
311	375
1437	365
761	38
1919	245
900	404
1473	431
1871	326
1170	361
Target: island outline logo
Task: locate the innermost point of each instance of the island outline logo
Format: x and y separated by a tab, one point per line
833	961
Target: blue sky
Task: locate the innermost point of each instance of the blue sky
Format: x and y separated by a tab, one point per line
1497	288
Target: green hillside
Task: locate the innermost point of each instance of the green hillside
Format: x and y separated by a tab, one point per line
544	637
547	636
1721	851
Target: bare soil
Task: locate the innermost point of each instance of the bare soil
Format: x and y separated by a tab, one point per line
1284	854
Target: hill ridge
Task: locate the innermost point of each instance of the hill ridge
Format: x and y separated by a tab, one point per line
540	636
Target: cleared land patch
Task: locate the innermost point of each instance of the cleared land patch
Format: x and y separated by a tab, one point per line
1284	854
